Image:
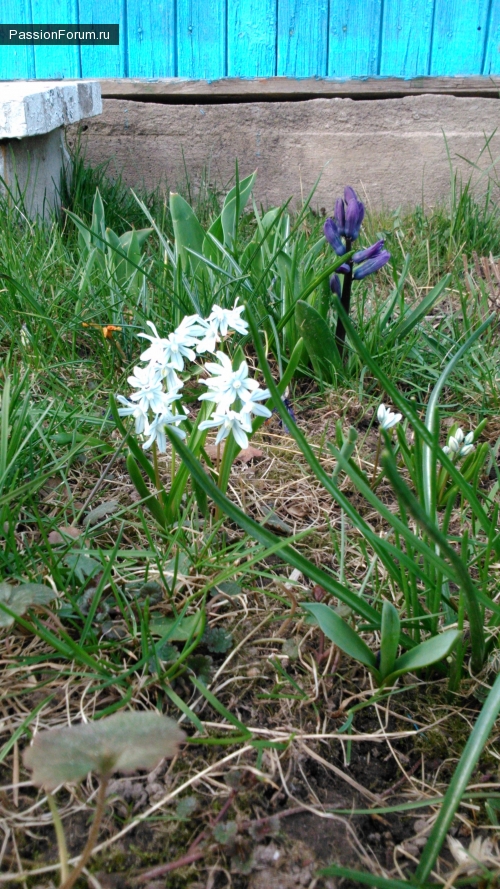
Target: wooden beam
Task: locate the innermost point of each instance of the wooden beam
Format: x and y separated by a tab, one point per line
283	89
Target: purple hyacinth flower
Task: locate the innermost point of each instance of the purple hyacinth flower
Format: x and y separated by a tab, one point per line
369	252
371	265
332	235
349	194
335	285
340	215
344	269
354	214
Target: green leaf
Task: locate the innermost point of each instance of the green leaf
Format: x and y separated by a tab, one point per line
319	341
123	742
429	652
100	512
401	330
188	232
458	784
150	500
82	565
217	639
21	597
176	630
340	633
389	638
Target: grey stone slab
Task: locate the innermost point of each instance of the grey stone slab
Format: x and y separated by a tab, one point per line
32	108
392	150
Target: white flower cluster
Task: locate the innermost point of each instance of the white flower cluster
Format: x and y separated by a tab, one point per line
158	387
460	444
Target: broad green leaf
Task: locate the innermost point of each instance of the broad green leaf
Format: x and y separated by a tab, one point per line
187	230
389	638
124	742
429	652
319	341
340	633
21	597
176	630
82	565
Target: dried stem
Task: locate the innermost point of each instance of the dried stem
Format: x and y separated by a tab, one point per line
93	834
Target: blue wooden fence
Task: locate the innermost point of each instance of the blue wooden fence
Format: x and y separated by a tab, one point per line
209	39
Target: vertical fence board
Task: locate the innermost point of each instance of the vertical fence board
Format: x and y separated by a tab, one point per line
56	61
406	38
302	38
460	30
492	48
354	38
251	38
201	39
108	61
151	38
16	61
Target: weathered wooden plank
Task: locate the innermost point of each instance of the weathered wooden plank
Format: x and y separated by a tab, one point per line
251	38
56	62
406	38
354	38
459	35
16	61
491	64
107	61
151	39
179	90
201	38
302	40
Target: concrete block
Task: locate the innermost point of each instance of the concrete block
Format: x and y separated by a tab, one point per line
33	153
392	150
31	108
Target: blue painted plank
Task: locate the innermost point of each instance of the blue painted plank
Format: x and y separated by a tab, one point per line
353	48
251	38
406	38
491	63
151	38
460	29
56	61
103	61
16	61
201	39
302	38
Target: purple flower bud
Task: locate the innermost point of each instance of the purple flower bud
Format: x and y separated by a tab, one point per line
354	214
349	194
340	215
335	285
344	269
371	265
369	252
332	235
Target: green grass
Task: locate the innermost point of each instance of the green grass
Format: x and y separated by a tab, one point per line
126	629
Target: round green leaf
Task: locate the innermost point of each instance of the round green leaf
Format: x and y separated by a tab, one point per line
123	742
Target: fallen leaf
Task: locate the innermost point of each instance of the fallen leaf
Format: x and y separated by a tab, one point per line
249	453
298	511
56	537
